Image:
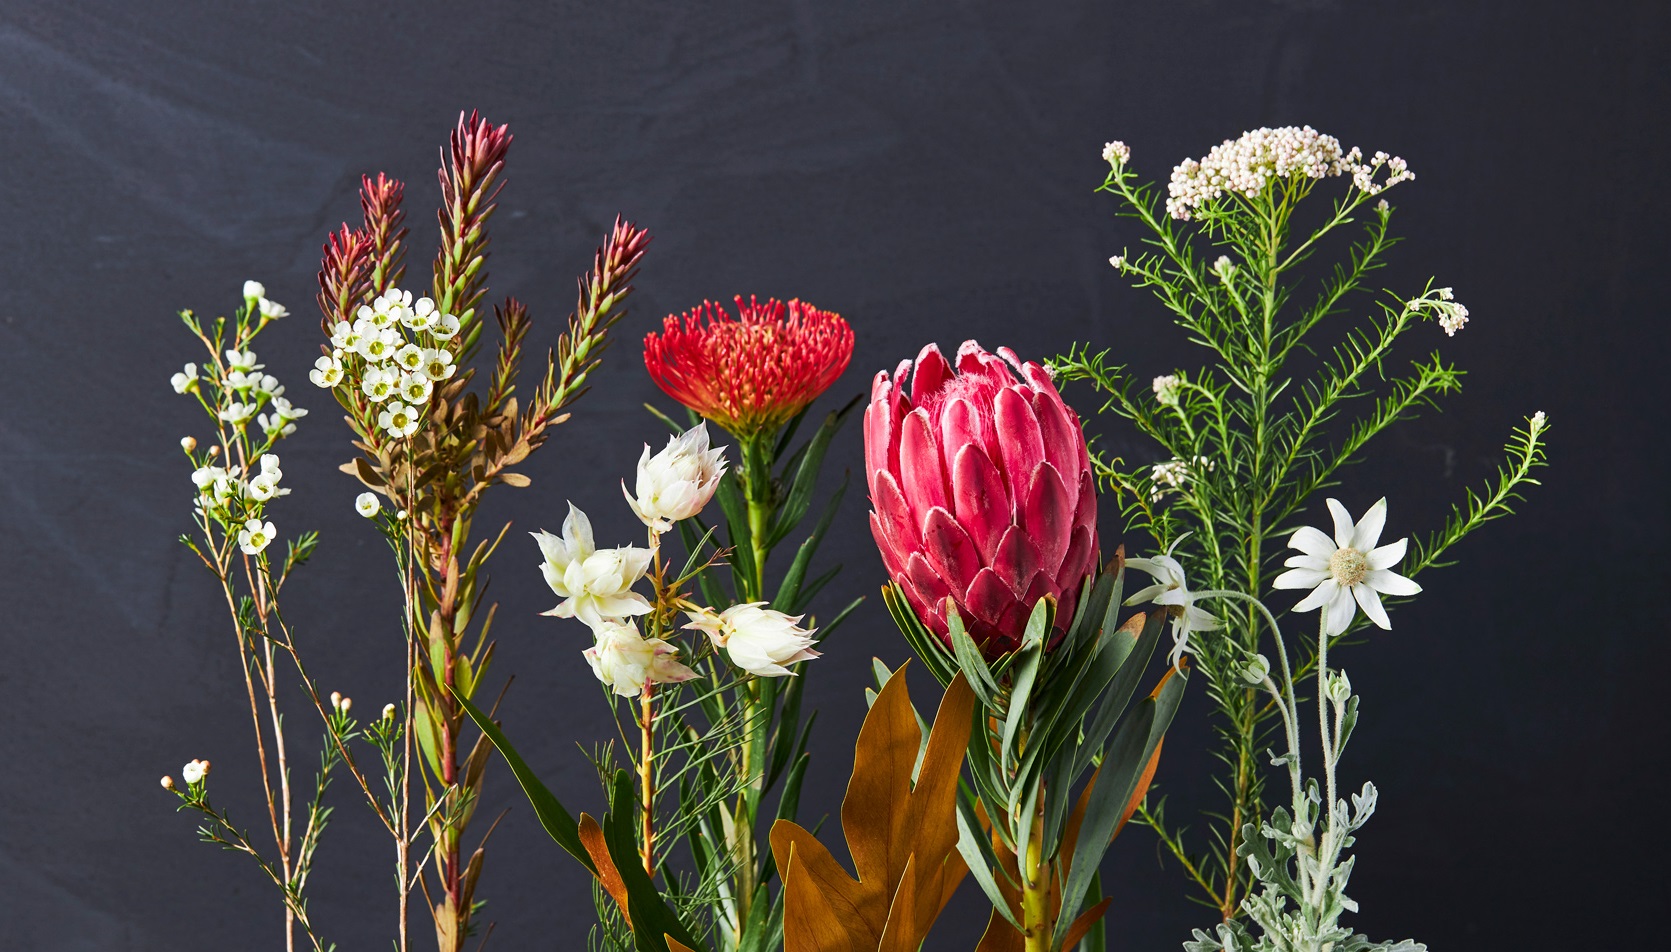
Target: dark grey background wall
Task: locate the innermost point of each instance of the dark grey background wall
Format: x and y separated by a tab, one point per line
926	170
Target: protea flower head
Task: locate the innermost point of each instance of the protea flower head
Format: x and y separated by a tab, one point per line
750	373
981	489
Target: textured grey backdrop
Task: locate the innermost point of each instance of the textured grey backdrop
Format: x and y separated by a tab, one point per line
925	169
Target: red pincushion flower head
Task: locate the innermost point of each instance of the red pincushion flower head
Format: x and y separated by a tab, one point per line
750	373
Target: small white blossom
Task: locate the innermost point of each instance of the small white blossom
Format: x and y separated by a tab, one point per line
1452	316
255	536
379	344
759	640
421	315
186	380
194	772
245	361
367	504
438	365
1119	262
410	357
1172	590
204	476
1248	164
379	384
188	443
344	336
388	712
266	384
677	482
1538	421
254	290
1116	153
236	412
284	410
444	328
399	419
241	382
272	310
1382	207
415	388
594	583
1346	569
626	661
1166	387
265	487
1224	268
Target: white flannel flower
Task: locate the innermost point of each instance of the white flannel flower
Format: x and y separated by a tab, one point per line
272	310
255	536
677	482
399	419
444	328
760	641
254	290
415	388
1348	571
237	412
379	344
1171	589
379	384
438	365
625	661
594	583
421	315
410	357
367	504
194	772
242	360
186	380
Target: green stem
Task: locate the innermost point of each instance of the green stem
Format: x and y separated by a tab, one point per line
1035	894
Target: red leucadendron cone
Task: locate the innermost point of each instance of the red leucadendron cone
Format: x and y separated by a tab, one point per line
981	488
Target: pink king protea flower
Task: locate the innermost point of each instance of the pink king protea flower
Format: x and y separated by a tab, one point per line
982	491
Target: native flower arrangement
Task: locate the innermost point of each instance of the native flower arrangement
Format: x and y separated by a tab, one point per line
1247	445
715	701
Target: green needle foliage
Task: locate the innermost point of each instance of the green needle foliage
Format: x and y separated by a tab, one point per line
1299	377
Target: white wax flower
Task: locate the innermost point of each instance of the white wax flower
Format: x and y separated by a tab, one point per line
421	315
625	660
760	641
438	365
379	345
415	388
367	504
378	384
399	419
594	583
410	357
242	360
346	336
185	380
327	371
677	482
195	771
265	487
1347	569
237	412
256	536
284	410
1172	590
272	310
254	290
444	328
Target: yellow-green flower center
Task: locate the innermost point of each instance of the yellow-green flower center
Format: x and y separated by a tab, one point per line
1348	566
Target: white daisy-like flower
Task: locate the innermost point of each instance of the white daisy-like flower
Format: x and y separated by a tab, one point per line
367	504
444	328
255	536
379	384
1349	571
438	365
1172	590
186	380
399	419
594	583
415	388
272	310
242	360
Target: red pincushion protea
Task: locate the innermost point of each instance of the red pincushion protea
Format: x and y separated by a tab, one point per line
982	489
752	373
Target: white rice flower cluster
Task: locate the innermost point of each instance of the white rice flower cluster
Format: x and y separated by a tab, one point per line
1175	473
1224	268
1442	302
1247	165
1166	388
394	352
1116	153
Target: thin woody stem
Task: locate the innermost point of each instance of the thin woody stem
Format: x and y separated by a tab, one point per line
647	776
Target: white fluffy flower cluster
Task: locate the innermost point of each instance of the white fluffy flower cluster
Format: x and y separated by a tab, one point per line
1247	165
1167	387
1116	153
395	350
1442	302
596	585
1175	473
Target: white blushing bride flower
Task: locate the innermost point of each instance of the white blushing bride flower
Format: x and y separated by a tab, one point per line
594	583
760	641
677	482
626	661
1349	571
